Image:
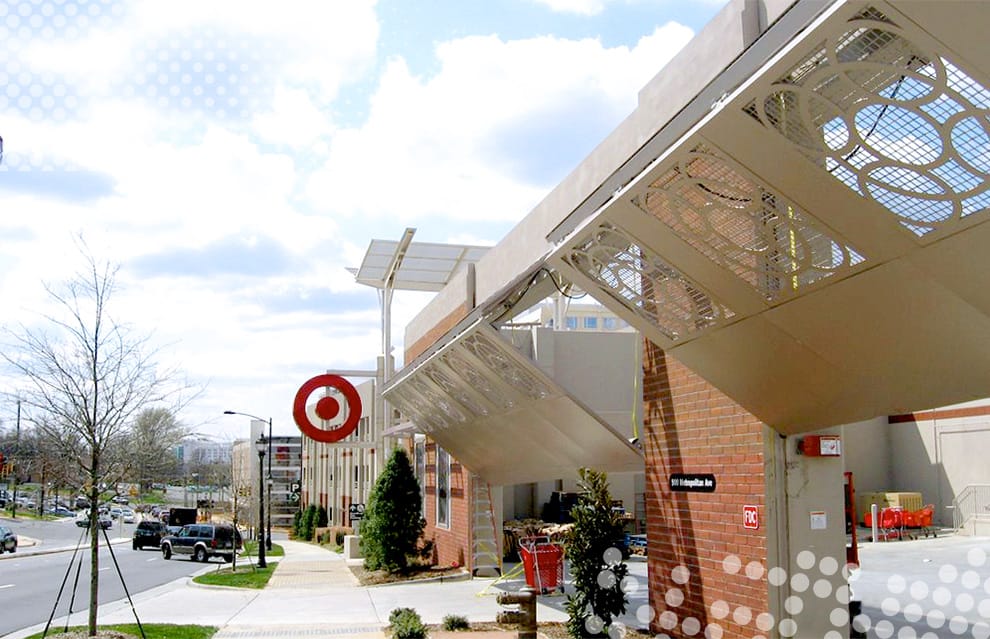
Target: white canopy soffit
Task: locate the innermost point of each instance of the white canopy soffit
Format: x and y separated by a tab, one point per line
817	245
502	417
425	266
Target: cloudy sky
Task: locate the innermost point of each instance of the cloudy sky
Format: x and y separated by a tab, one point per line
234	156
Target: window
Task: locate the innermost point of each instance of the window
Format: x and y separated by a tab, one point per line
571	322
608	323
419	468
591	322
443	488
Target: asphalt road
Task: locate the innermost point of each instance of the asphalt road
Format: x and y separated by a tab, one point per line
30	584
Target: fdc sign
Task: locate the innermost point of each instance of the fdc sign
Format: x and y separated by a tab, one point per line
751	517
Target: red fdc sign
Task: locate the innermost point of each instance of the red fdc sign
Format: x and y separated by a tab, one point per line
751	517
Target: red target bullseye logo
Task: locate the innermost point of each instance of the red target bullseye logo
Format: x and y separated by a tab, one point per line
327	408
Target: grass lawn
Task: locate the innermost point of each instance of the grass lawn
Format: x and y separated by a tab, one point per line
247	576
251	550
151	631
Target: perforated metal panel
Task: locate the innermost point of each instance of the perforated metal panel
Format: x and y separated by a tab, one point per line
890	118
644	283
502	417
720	209
496	356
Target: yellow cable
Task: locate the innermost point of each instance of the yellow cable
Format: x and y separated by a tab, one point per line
512	573
635	425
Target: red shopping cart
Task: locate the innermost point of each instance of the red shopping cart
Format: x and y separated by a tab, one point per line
543	563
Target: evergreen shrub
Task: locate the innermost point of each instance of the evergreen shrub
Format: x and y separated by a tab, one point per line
392	523
406	624
596	562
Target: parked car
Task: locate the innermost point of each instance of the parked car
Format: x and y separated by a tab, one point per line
116	512
8	540
83	521
148	533
203	542
120	499
60	511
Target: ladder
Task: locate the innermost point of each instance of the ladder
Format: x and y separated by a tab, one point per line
486	560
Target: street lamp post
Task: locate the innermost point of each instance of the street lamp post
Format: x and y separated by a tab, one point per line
268	536
261	445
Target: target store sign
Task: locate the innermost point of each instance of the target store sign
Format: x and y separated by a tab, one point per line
751	517
327	407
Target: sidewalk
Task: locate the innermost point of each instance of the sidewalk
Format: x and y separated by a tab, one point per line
313	594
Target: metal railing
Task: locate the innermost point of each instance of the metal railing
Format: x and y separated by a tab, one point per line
972	502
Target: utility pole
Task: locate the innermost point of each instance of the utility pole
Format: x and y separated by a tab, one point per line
16	462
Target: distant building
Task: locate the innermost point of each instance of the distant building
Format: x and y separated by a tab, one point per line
199	450
573	316
248	476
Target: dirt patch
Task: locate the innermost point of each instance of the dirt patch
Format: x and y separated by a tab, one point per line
413	573
100	634
550	629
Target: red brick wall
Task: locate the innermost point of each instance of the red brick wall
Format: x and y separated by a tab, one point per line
431	336
451	544
691	427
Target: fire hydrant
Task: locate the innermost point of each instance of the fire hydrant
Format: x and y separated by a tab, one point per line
525	616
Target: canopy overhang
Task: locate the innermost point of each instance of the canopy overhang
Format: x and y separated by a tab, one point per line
815	246
414	266
502	417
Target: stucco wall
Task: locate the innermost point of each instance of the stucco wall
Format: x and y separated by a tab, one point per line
866	452
939	453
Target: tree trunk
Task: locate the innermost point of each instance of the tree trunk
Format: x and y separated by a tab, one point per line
94	546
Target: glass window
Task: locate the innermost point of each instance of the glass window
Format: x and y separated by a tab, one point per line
443	488
571	322
591	322
420	469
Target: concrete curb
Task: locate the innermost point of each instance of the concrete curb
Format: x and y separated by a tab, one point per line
49	551
460	576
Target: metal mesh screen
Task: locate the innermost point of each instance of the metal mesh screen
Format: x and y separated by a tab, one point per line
452	385
495	358
645	284
714	205
473	376
898	124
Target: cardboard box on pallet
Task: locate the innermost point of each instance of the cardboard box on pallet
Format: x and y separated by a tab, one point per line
907	501
865	500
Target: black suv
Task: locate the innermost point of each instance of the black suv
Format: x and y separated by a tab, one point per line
148	533
202	542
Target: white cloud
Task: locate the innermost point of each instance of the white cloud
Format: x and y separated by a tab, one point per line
294	120
581	7
321	45
435	146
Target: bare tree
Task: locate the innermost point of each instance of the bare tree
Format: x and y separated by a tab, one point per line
86	376
155	434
